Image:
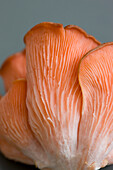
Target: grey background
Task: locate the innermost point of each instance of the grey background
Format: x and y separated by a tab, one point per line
18	16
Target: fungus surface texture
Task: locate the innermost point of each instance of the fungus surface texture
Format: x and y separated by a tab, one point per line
58	108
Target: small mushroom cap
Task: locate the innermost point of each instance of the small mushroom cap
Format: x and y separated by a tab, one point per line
13	68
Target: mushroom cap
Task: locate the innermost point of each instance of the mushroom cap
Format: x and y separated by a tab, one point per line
96	81
57	112
54	97
13	68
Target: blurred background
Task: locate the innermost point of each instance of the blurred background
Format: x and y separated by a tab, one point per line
18	16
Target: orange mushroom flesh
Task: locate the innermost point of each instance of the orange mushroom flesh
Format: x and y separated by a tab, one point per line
67	123
54	98
96	125
12	152
14	127
13	68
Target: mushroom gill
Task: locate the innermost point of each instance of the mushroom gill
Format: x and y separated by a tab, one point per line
57	114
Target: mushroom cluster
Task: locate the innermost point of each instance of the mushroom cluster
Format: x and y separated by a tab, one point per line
58	108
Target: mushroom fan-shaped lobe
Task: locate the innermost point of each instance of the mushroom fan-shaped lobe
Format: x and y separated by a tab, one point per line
12	152
53	95
16	138
96	126
13	68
